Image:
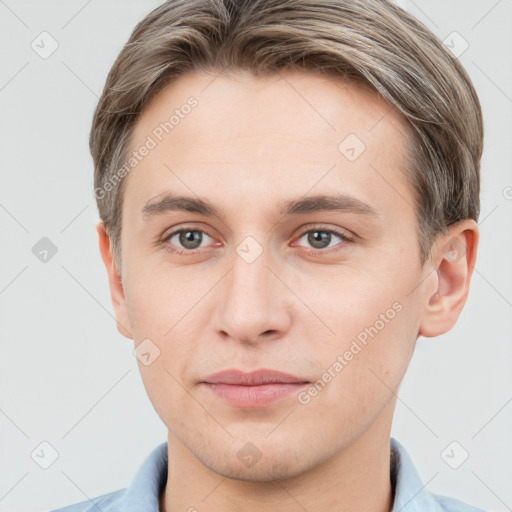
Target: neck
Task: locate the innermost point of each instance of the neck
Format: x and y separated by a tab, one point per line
356	478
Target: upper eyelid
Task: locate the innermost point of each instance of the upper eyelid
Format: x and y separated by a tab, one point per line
320	227
185	228
343	232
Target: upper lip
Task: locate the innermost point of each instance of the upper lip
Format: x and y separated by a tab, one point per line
255	378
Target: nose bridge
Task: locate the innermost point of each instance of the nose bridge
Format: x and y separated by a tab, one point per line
249	304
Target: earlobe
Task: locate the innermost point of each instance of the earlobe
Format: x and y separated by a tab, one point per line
115	282
447	288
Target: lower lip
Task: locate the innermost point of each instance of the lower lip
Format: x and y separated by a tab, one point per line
254	396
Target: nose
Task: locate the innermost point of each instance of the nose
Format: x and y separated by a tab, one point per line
253	303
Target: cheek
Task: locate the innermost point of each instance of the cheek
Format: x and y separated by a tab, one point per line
361	375
155	302
375	326
349	303
162	385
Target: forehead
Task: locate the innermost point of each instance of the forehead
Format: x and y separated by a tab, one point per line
236	137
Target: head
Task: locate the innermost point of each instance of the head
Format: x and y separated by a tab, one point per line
324	174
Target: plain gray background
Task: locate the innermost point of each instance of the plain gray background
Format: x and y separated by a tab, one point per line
68	378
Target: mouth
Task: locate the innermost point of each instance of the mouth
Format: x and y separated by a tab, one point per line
255	389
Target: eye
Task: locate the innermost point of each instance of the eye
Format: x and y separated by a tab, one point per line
320	239
189	239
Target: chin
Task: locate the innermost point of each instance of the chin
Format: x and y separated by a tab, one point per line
257	459
268	469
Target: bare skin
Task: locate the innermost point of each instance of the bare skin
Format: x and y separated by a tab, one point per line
249	145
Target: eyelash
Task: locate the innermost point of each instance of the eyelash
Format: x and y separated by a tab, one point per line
345	239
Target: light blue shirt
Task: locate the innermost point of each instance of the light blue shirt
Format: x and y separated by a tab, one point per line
143	493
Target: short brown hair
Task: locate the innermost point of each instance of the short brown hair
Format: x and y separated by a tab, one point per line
370	40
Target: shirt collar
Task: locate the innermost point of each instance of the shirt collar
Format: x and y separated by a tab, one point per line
410	494
147	484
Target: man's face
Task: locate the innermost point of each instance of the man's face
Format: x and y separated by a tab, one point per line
255	288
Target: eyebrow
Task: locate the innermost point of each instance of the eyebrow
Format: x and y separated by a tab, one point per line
311	204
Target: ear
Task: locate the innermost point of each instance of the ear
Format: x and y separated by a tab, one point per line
115	283
453	259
